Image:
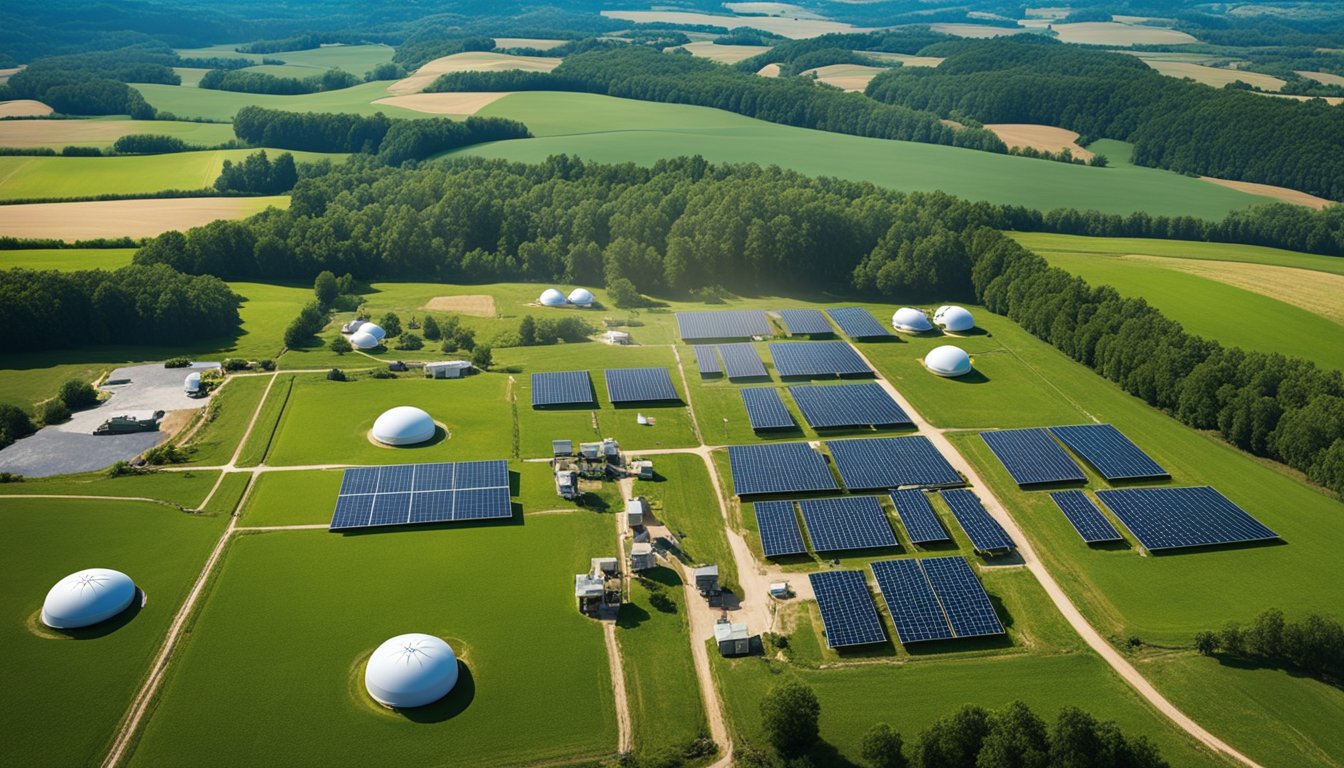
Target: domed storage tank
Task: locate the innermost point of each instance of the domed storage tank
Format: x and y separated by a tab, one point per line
581	297
411	670
87	597
362	340
552	298
910	320
948	360
374	330
403	425
954	319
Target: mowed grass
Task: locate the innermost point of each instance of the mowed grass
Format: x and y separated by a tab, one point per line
182	489
281	648
292	498
1044	242
66	259
100	132
355	59
66	696
192	103
228	413
682	497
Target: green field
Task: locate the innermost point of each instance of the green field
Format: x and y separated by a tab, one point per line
180	489
190	103
66	259
682	498
355	59
1044	242
103	132
228	413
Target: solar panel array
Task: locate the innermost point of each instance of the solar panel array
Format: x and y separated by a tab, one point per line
740	361
857	322
407	494
963	597
891	462
848	405
1172	518
817	358
984	531
727	324
707	360
1106	448
1086	519
921	522
765	408
847	609
808	322
910	599
562	388
1032	458
780	534
778	468
847	522
637	385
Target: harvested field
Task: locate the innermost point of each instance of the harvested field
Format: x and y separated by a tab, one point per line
1269	190
470	62
444	103
905	59
1113	33
1214	76
1044	137
476	305
769	70
1324	78
728	54
1333	101
975	30
1316	292
797	29
539	43
102	133
772	9
847	77
24	108
133	218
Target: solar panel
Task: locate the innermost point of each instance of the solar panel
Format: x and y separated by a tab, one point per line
891	462
639	385
479	503
848	405
1106	448
847	609
817	358
740	361
778	468
352	511
984	531
360	480
561	388
806	322
478	474
968	608
1031	457
728	324
1087	520
779	528
921	522
847	522
765	408
1172	518
707	360
402	494
913	606
857	322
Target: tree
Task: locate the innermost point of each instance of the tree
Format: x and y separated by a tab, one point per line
14	424
1074	741
336	374
882	747
953	741
77	394
54	411
789	714
340	345
409	341
1017	739
325	288
482	358
391	323
527	331
623	293
431	329
1206	642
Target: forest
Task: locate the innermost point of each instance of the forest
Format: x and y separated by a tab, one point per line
260	82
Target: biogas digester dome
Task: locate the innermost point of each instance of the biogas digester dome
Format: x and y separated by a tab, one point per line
581	297
374	330
910	320
948	360
954	319
411	670
87	597
362	340
552	298
403	425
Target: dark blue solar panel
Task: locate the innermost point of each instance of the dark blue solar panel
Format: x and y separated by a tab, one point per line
1171	518
707	360
817	358
848	405
765	408
807	322
847	609
360	480
481	504
847	522
434	477
857	322
891	462
391	509
741	361
779	528
481	474
1114	456
984	531
913	605
396	479
562	388
635	385
1087	520
921	522
778	468
352	512
964	600
422	493
1031	457
432	507
727	324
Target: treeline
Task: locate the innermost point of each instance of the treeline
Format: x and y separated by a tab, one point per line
258	175
262	82
1173	124
94	83
138	305
423	49
788	54
749	36
296	43
1314	643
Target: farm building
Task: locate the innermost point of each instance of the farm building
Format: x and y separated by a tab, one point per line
363	340
87	597
411	670
616	337
642	557
954	319
447	369
589	590
562	448
910	320
403	425
581	297
643	469
635	509
733	639
551	298
604	565
948	360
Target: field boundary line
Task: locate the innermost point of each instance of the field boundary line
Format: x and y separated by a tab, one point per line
163	502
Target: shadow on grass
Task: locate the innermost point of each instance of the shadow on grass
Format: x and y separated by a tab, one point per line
105	628
450	706
974	377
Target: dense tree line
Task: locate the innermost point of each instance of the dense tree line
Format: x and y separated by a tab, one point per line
306	42
257	175
138	304
94	83
149	144
420	50
1314	643
909	40
262	82
393	140
1174	124
749	36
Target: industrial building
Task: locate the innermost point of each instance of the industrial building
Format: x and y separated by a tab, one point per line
447	369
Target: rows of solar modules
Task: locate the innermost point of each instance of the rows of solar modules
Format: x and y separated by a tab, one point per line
917	514
779	530
847	523
726	324
891	462
407	494
639	385
1175	518
857	322
963	597
1032	458
805	322
778	468
707	360
848	405
1110	452
985	533
562	388
741	361
910	599
765	409
847	610
1085	518
817	358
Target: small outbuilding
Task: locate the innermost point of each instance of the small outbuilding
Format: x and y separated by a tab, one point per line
551	298
404	425
616	337
734	639
447	369
642	557
954	319
910	320
948	361
635	509
581	297
88	597
706	578
411	670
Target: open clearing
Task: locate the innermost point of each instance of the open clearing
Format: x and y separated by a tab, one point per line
24	108
66	259
222	105
1323	77
102	133
1214	76
471	61
130	218
847	77
355	59
728	54
796	29
444	103
477	305
975	30
1045	137
1269	190
1115	33
537	43
906	59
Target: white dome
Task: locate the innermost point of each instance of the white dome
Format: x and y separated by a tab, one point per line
193	381
581	296
411	671
374	330
954	319
362	340
87	597
354	325
948	360
403	425
552	298
910	320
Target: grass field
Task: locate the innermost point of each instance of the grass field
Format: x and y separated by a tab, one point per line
683	499
355	59
188	102
103	132
182	489
292	498
229	412
66	259
135	218
1043	242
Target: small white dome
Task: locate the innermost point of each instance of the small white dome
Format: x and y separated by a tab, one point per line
581	297
411	671
910	320
954	319
403	425
948	360
374	330
87	597
552	298
362	340
192	382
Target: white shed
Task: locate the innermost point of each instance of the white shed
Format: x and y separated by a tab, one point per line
447	369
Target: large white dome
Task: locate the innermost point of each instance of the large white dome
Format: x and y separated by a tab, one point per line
552	298
362	340
910	320
403	425
374	330
87	597
411	671
581	297
954	319
948	360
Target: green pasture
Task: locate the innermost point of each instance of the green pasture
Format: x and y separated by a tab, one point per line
355	59
178	489
263	434
1046	243
191	103
103	132
682	498
227	416
66	259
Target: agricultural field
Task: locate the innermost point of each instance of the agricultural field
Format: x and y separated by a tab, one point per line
98	132
728	54
474	61
355	59
791	27
200	103
846	77
66	259
144	217
1045	137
